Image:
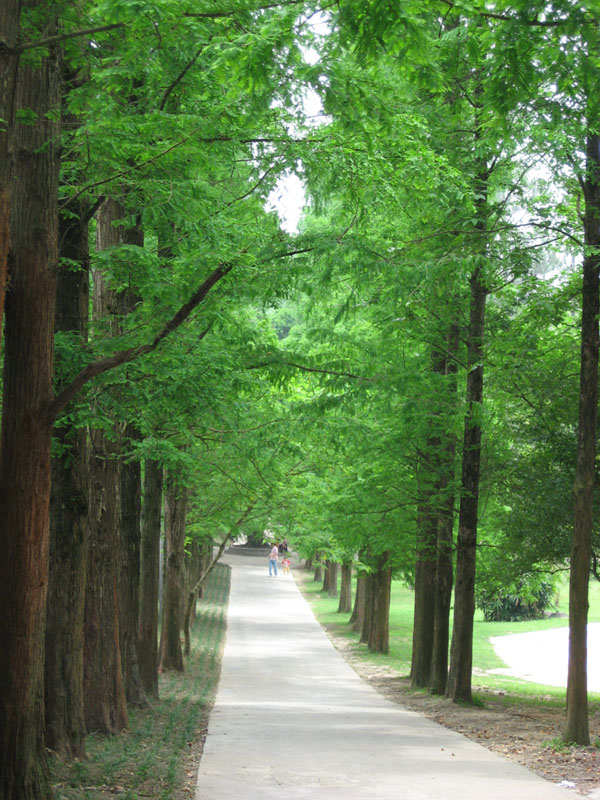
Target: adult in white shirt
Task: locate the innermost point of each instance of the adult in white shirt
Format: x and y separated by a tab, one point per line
273	560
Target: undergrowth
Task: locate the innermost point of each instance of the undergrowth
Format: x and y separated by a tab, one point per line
157	757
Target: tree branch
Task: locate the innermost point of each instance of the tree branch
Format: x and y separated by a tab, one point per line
195	589
507	18
204	140
232	12
125	356
314	369
127	171
61	37
179	78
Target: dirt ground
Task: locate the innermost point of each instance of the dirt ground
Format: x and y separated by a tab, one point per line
519	732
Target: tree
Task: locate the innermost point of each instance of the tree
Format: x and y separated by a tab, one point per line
63	690
170	650
345	604
27	424
29	221
149	577
577	726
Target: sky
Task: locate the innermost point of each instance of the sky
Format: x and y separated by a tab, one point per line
288	197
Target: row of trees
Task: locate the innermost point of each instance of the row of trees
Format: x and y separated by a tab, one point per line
152	133
327	385
467	158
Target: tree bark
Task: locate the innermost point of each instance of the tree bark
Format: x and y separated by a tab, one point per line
461	655
65	722
332	583
444	568
326	576
424	601
129	587
357	618
29	245
379	629
131	495
104	688
444	575
10	23
345	604
429	464
170	651
577	723
368	605
149	577
318	567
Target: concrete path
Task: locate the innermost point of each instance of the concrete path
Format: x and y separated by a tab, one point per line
293	720
542	656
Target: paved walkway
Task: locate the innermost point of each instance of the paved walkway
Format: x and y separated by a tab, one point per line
293	720
542	656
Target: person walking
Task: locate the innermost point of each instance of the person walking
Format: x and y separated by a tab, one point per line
273	560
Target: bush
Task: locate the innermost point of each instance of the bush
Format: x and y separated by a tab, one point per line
529	597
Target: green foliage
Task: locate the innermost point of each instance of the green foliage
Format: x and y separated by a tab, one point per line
303	386
558	745
529	597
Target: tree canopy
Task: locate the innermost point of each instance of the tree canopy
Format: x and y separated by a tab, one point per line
407	382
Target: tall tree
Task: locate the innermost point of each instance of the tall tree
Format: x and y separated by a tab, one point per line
577	724
149	577
65	725
170	651
29	222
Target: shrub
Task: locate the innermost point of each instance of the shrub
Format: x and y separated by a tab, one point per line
528	597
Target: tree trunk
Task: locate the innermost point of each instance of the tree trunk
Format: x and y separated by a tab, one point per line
170	651
149	576
379	629
345	604
10	19
577	724
192	568
423	615
326	576
332	583
104	690
357	618
444	574
368	604
318	567
131	495
65	723
129	588
428	478
444	569
31	235
461	655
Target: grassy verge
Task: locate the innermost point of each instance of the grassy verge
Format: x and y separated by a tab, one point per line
157	757
484	656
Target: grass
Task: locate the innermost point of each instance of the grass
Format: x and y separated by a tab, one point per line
157	756
484	655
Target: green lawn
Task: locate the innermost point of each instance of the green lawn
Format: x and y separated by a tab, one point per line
484	656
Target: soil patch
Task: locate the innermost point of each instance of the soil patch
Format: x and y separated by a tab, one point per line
517	730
